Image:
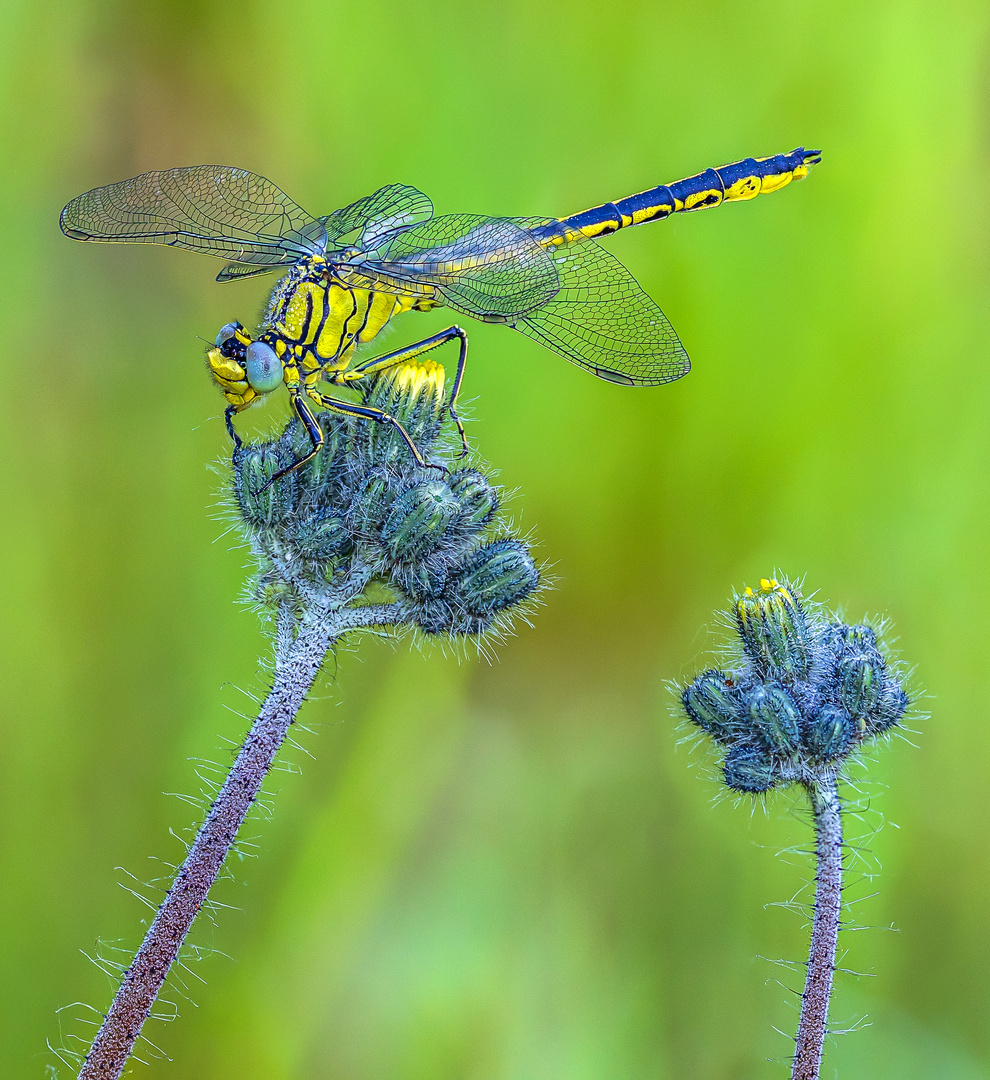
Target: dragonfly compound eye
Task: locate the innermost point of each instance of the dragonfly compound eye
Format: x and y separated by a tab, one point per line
263	367
227	332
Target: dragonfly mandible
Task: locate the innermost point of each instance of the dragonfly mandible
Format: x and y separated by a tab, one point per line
352	271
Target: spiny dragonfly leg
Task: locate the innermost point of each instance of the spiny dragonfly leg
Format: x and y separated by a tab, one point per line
228	417
368	412
410	352
455	388
313	430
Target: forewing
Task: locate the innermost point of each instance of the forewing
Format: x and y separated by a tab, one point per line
486	267
378	214
603	320
214	209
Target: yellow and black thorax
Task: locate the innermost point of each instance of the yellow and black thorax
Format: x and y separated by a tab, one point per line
313	323
318	319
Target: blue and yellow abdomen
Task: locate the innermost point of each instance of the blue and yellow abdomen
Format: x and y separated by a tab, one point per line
731	183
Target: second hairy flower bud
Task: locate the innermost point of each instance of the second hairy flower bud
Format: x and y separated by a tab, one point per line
808	692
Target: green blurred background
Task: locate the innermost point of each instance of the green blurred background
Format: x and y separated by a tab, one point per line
509	871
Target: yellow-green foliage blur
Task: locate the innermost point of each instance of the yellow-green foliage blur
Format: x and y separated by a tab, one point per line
506	871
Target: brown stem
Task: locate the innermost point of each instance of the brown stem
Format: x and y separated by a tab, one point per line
296	669
824	928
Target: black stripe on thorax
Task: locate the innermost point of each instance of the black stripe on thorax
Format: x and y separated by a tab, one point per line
367	316
344	333
308	322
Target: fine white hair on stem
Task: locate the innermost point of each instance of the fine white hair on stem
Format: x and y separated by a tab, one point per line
795	698
362	539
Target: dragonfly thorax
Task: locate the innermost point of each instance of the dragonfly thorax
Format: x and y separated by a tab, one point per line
313	323
315	318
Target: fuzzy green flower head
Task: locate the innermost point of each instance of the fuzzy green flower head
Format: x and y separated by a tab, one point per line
808	691
774	630
426	540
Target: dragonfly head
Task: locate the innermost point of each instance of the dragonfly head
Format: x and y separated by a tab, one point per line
238	358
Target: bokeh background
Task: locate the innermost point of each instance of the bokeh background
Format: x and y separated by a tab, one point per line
514	870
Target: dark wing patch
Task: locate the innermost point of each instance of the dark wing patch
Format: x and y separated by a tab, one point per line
602	319
213	209
237	271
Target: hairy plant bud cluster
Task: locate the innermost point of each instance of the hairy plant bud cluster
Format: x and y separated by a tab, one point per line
809	692
364	504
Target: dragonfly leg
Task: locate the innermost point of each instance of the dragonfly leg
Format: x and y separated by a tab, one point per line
368	412
455	389
313	430
410	352
228	418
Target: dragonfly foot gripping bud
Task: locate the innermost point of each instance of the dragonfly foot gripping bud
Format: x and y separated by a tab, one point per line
362	509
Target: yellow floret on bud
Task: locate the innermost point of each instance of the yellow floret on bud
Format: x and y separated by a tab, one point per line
424	378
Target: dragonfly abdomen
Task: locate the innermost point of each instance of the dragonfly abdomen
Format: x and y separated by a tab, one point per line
739	181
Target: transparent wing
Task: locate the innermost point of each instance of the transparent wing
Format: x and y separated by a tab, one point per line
602	319
214	209
386	210
486	267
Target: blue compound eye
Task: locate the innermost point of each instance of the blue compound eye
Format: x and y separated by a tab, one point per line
263	367
227	332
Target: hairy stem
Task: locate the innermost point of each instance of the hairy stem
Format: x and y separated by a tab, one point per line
299	657
824	928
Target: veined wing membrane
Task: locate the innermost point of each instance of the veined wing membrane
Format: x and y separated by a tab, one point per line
386	210
392	207
602	319
577	299
213	209
486	267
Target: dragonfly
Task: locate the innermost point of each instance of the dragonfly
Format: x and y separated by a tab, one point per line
351	272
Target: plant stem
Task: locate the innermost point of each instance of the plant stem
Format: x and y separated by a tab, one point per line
813	1025
299	656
